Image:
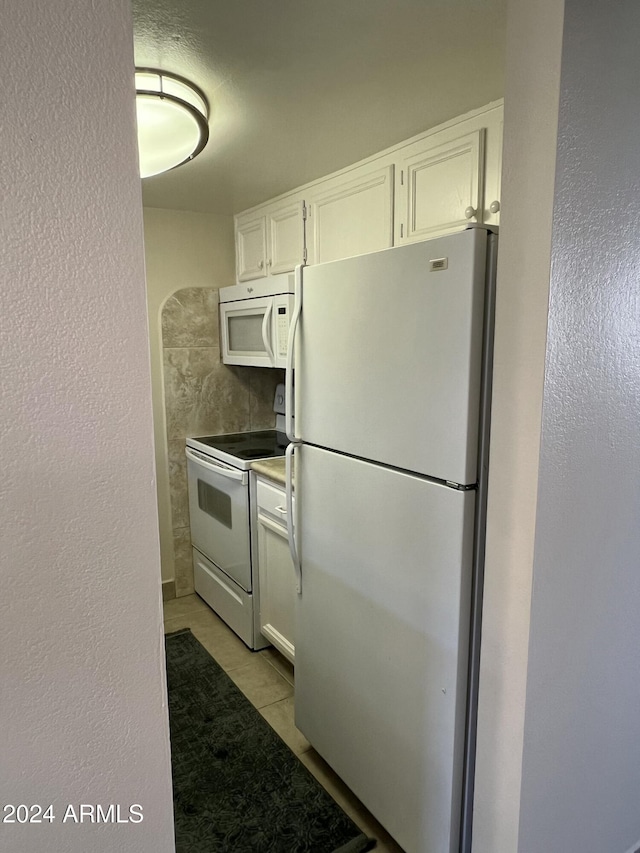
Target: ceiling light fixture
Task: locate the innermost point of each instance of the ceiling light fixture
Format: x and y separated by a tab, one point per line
173	123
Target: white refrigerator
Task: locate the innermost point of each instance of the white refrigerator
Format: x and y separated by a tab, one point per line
390	354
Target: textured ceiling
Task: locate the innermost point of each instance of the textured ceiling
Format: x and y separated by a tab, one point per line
300	88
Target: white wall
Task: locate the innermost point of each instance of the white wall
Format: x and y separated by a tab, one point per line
534	40
559	729
182	249
84	716
581	755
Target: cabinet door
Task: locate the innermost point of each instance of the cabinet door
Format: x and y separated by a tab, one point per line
251	246
285	229
350	215
441	187
277	586
493	166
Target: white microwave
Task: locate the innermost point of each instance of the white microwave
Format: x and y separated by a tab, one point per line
254	321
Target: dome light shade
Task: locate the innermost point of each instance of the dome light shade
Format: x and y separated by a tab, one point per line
172	119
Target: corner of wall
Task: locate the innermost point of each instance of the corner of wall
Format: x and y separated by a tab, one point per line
534	46
202	396
182	249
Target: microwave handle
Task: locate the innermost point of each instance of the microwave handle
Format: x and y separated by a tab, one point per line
211	465
266	331
288	378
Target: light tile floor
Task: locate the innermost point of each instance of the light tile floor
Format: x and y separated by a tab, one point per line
266	679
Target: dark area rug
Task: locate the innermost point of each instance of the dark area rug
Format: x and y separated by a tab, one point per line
237	787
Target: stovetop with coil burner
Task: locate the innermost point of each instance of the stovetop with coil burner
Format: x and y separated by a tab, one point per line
242	448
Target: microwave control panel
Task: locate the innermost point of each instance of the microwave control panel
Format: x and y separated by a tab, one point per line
282	329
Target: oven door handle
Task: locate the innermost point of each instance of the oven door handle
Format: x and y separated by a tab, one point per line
211	465
266	332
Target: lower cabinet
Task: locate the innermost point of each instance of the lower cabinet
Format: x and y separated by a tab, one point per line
276	575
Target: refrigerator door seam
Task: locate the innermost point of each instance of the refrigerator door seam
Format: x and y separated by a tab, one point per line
450	484
459	486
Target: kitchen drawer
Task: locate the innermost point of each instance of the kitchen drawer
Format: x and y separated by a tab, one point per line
272	501
224	596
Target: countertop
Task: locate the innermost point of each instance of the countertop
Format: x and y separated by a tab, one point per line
273	469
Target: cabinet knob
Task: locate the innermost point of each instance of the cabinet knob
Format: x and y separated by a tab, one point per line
261	265
494	207
470	212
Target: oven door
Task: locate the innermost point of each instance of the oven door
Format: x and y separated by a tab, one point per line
219	514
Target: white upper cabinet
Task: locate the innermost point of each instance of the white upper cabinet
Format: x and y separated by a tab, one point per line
285	236
251	247
449	177
432	184
440	187
350	214
270	239
493	165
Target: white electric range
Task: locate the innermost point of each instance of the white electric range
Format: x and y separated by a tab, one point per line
220	517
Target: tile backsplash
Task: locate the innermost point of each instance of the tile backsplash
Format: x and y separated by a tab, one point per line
203	396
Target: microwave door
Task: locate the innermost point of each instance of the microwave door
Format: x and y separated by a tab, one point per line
246	332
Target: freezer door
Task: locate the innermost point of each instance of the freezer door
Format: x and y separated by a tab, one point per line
389	351
382	639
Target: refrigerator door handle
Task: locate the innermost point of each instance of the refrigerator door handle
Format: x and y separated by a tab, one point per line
291	521
293	326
